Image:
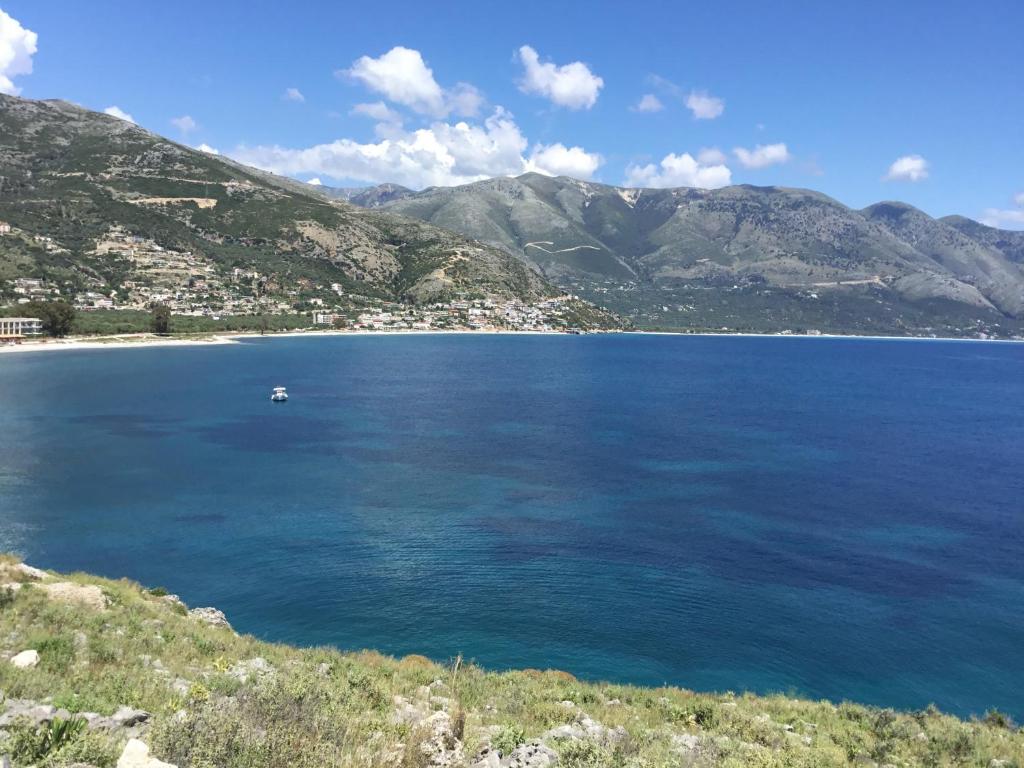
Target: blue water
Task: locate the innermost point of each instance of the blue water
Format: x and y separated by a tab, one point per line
834	518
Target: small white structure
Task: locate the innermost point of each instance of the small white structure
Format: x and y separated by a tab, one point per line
280	395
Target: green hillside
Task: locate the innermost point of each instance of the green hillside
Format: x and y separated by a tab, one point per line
91	669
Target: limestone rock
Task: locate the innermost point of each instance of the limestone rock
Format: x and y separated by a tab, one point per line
211	616
438	745
136	755
25	659
251	669
33	573
532	755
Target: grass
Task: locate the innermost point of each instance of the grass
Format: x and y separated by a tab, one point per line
323	707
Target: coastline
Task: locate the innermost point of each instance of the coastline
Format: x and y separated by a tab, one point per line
138	341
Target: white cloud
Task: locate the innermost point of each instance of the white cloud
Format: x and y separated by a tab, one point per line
711	156
444	154
185	123
119	113
377	110
293	94
678	171
570	85
559	160
1006	218
648	103
704	106
464	99
315	182
403	77
17	46
207	149
908	168
762	155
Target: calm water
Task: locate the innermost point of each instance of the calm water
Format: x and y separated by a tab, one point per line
836	518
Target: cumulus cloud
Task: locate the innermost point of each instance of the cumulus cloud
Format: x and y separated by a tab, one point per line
119	113
570	85
402	76
679	171
1012	218
17	47
711	156
185	123
559	160
908	168
293	94
389	122
704	106
648	103
315	182
207	149
444	154
762	155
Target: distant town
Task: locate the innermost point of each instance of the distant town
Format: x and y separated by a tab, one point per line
192	286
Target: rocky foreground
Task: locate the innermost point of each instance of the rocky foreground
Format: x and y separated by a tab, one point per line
103	673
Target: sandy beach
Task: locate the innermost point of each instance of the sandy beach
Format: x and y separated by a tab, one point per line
138	341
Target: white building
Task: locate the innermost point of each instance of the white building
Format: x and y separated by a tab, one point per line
19	327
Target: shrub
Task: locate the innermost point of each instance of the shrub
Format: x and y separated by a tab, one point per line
508	738
56	652
584	754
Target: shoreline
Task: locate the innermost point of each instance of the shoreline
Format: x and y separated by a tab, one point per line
219	338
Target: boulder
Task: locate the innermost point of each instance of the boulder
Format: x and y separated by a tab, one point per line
211	616
438	746
532	755
136	755
126	717
25	659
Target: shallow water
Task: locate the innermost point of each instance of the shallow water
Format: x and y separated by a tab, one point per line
836	518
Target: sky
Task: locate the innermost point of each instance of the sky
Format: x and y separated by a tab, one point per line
915	101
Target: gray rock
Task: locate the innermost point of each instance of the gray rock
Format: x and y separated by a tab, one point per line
126	717
211	616
532	755
251	669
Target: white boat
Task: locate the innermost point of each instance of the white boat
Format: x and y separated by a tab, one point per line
279	396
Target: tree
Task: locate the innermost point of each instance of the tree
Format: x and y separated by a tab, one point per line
57	316
161	319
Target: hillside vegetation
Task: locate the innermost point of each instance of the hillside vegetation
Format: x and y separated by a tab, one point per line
744	257
95	671
81	188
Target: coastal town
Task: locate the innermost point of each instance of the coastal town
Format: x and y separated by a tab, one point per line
189	285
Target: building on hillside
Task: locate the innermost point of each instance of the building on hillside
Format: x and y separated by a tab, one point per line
17	328
5	228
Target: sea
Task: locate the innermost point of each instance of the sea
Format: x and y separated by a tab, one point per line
829	518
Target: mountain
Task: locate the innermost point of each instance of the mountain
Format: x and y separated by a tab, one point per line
367	197
99	204
762	258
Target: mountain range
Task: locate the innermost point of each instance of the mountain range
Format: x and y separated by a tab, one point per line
757	257
75	183
737	258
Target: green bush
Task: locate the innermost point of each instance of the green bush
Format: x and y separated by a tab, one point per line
508	738
56	652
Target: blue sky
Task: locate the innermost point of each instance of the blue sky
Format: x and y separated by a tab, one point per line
922	102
